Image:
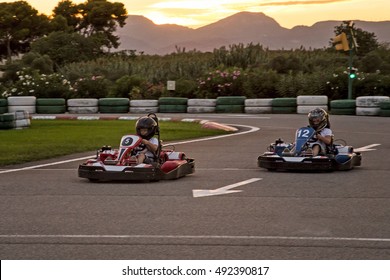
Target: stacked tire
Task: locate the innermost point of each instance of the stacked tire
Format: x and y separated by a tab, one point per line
7	121
306	103
284	105
230	104
22	103
173	104
83	105
343	107
113	105
50	106
258	106
18	120
369	105
144	106
3	106
201	105
385	108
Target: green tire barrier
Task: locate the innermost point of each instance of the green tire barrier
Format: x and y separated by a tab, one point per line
7	117
284	102
3	102
172	101
172	108
343	104
284	110
384	113
7	125
229	108
3	110
343	107
230	100
55	109
51	102
343	111
284	105
384	105
114	102
114	109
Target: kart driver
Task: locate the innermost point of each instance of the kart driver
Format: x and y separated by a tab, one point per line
319	121
146	128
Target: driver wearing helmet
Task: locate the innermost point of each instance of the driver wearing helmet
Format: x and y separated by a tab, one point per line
319	121
146	128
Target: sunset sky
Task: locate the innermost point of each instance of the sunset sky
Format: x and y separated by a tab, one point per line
288	13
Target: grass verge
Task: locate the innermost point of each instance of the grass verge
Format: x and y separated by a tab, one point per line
51	138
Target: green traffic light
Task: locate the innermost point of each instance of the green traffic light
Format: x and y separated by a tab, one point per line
352	75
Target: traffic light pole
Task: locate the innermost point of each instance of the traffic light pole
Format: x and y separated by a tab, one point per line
350	79
350	60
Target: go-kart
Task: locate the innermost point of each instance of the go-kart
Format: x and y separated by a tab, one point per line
121	165
298	156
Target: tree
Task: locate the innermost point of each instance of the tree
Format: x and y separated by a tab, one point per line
64	47
20	24
98	18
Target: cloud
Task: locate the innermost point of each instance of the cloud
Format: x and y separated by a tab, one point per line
302	2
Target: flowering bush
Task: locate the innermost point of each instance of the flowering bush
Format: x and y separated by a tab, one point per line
40	86
91	87
218	83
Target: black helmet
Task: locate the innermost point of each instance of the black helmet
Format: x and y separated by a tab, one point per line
318	119
148	123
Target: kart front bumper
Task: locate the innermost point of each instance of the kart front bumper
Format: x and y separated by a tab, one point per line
306	163
130	173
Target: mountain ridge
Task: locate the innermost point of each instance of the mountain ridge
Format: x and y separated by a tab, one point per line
142	35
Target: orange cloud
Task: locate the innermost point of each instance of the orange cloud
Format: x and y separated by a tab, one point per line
303	2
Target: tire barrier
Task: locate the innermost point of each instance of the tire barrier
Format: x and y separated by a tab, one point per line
385	108
369	105
284	105
258	106
113	105
3	106
22	103
50	106
17	119
363	105
143	106
83	105
230	104
173	104
306	103
343	107
201	105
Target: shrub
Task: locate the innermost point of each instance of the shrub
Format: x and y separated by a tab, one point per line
39	85
91	87
217	83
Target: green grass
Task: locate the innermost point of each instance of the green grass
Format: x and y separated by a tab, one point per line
51	138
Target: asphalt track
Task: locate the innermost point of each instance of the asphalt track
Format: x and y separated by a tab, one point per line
47	212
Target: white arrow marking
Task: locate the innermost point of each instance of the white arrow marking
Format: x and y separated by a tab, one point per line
366	148
223	190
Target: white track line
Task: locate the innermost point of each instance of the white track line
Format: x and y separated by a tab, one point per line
199	237
251	129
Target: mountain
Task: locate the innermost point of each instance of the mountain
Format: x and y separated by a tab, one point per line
142	35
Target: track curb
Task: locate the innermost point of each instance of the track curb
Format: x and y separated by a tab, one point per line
205	123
